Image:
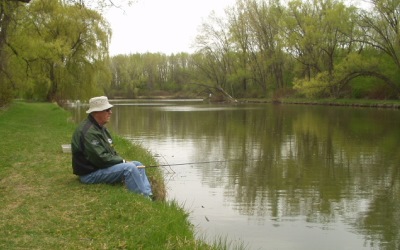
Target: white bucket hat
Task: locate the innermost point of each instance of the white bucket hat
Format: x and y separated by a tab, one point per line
98	103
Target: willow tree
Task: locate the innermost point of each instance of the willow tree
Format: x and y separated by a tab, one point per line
64	49
8	10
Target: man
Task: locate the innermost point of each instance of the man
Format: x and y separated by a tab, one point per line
94	158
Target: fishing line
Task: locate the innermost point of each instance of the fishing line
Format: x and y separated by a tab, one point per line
186	163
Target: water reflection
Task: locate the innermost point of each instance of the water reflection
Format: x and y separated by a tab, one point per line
303	177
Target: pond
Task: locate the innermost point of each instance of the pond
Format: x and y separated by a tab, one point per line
268	176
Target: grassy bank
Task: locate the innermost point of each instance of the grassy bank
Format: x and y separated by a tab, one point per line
44	206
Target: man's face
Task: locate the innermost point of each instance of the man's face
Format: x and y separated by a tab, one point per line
102	117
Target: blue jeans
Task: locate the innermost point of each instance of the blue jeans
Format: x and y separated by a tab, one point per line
135	178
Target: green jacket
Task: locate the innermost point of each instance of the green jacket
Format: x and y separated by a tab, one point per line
92	148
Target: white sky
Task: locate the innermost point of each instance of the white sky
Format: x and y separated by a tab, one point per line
166	26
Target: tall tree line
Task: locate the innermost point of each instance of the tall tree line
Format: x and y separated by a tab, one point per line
57	50
314	48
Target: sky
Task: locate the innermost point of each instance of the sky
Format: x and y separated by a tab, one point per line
165	26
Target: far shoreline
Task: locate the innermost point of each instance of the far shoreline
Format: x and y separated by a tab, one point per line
389	104
357	103
364	103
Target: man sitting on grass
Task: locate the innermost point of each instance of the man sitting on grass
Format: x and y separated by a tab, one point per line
94	158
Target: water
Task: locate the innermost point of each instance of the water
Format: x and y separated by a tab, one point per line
295	176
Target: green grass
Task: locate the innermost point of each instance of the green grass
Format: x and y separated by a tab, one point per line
44	206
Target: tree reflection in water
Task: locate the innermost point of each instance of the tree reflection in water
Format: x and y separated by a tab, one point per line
318	164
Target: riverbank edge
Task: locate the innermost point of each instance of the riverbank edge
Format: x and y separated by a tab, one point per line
365	103
47	207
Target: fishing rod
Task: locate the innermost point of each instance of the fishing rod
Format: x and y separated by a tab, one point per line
186	163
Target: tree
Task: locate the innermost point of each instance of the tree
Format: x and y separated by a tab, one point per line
13	12
266	55
239	29
65	51
320	34
214	53
382	32
8	10
371	49
123	77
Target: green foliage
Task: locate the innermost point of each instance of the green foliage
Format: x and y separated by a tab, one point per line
141	74
60	51
265	38
349	69
315	87
8	10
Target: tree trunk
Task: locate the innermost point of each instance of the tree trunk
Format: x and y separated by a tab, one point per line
7	8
